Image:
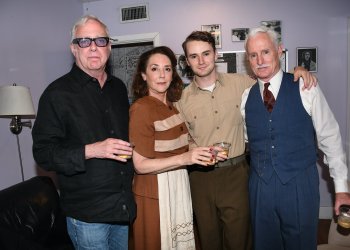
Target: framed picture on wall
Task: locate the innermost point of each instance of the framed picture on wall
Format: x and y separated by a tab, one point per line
307	58
183	69
125	53
239	34
215	30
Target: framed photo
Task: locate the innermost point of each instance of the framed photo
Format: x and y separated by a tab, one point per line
183	69
239	34
215	30
275	25
307	58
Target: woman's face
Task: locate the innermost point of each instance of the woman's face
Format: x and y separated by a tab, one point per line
158	75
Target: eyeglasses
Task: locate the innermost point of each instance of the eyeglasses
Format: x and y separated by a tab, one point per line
86	41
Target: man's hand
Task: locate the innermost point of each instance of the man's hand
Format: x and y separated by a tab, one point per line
110	148
341	199
310	80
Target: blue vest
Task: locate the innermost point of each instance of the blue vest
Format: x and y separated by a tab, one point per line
282	141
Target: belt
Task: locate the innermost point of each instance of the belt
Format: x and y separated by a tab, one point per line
231	162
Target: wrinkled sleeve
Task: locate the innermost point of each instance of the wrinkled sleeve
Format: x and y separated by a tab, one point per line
51	150
244	101
329	138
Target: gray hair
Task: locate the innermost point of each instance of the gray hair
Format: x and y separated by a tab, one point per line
83	20
263	29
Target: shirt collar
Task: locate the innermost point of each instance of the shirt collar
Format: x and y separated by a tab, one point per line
82	78
195	88
275	83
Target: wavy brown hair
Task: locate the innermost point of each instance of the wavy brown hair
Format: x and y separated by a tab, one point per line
139	86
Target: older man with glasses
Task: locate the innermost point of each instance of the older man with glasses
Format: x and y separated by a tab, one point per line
80	130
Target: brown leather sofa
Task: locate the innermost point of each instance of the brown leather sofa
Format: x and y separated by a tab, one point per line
31	217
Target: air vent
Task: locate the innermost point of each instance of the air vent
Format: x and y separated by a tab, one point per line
134	13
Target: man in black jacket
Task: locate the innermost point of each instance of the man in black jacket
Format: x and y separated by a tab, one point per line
80	132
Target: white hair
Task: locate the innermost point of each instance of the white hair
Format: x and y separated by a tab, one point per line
263	29
83	20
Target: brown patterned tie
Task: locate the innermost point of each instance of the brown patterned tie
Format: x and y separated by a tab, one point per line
269	99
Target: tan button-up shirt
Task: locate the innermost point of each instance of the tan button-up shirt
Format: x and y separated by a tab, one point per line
215	116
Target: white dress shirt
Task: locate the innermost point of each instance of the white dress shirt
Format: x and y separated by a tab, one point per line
326	127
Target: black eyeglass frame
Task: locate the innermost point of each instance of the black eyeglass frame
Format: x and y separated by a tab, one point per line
78	40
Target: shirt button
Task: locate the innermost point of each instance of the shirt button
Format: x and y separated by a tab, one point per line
106	111
272	146
216	112
217	127
212	97
112	132
121	173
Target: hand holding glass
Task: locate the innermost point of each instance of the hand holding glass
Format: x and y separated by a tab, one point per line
127	156
344	217
213	156
225	146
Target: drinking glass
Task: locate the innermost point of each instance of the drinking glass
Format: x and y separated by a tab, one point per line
344	217
225	147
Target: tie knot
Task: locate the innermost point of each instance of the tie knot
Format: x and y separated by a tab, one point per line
266	85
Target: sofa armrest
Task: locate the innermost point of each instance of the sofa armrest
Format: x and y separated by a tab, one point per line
30	208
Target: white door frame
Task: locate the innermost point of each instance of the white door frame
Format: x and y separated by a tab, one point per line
137	38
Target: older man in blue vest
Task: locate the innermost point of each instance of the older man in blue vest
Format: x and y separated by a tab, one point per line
284	127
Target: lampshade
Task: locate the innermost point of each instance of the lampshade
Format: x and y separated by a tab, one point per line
16	101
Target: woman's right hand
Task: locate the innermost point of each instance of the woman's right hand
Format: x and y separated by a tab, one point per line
204	156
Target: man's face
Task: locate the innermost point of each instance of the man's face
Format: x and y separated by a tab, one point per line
92	58
182	64
201	58
307	56
263	56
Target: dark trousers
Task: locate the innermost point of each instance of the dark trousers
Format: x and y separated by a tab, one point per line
220	204
285	216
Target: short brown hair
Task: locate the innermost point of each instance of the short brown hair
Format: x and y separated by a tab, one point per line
203	36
